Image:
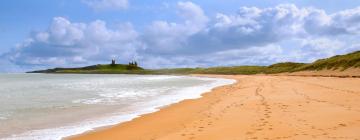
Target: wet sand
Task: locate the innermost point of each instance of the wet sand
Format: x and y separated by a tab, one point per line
256	107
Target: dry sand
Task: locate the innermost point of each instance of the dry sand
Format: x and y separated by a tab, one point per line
351	72
256	107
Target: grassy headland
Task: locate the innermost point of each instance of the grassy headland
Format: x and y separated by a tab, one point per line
339	62
97	69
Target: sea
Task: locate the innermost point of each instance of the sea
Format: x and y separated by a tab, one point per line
54	106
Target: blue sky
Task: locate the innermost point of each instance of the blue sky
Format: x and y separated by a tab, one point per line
65	33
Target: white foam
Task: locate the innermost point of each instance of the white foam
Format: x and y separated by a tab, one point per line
4	116
61	132
89	101
142	108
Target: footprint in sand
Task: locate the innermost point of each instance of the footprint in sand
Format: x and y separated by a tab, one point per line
249	133
342	125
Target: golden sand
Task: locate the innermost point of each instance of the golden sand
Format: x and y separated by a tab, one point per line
256	107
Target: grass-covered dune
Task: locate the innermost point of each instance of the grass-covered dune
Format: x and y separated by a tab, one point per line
339	62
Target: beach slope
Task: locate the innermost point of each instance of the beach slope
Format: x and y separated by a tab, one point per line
256	107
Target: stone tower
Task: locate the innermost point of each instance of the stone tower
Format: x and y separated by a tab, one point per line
113	62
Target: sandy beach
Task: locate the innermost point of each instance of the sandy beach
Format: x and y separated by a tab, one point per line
256	107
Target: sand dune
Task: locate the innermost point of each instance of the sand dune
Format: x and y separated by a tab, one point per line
256	107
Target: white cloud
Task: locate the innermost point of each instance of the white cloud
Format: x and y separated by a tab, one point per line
348	20
194	16
103	5
65	43
312	49
167	37
257	55
250	36
252	26
62	32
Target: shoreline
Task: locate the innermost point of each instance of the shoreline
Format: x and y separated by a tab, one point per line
106	119
217	82
102	128
210	117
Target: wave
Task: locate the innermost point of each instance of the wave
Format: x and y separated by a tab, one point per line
112	97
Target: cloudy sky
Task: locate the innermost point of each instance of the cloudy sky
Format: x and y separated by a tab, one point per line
41	34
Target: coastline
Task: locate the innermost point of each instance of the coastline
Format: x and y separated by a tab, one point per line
102	128
196	92
256	107
163	91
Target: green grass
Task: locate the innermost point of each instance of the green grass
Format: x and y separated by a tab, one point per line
232	70
173	71
283	67
339	62
213	70
98	69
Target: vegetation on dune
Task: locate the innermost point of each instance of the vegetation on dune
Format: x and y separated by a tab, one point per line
232	70
213	70
339	62
173	71
283	67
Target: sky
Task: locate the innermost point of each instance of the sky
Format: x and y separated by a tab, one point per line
41	34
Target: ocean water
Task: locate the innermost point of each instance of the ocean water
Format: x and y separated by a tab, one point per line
53	106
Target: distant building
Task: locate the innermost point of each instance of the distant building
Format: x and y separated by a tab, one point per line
113	62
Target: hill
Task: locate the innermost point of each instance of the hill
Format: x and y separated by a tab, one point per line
97	69
336	63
